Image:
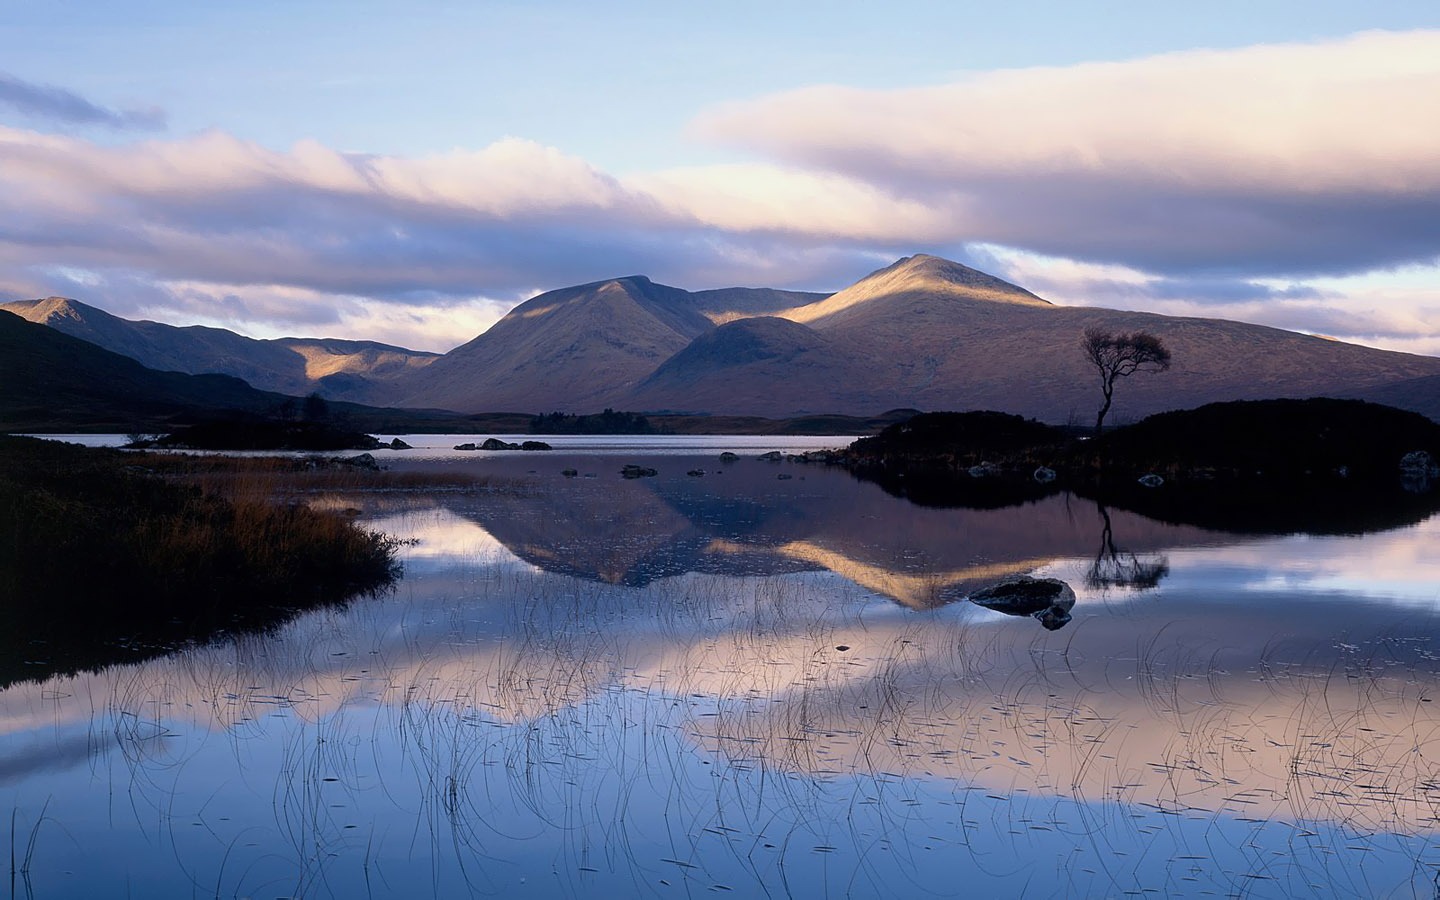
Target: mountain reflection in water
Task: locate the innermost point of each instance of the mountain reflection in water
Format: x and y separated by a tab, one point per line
738	682
742	520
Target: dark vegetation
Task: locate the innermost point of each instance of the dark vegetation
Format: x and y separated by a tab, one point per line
607	422
262	434
816	424
102	558
1263	466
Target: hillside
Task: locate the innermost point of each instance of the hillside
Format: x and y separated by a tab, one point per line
54	382
336	369
51	378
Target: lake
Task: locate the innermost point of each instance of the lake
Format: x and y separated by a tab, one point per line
765	680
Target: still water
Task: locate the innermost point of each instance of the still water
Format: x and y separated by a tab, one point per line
763	680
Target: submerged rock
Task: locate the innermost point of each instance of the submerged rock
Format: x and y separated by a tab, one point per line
1044	475
695	473
634	471
772	456
570	473
1151	480
1047	600
727	456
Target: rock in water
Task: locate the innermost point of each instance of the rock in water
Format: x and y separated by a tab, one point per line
363	461
1048	600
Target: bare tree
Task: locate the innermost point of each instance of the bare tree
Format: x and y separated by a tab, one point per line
1120	355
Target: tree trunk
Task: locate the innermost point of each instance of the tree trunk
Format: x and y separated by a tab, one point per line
1100	419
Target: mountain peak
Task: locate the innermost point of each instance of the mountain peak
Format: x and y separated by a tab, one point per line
923	272
918	276
44	311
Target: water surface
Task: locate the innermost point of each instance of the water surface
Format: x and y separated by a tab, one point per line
766	680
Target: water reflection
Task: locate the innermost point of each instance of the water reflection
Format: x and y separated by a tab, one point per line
764	686
744	521
1117	568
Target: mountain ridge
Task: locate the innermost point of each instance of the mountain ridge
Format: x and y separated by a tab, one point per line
923	332
289	365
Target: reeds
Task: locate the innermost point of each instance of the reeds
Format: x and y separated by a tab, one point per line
91	543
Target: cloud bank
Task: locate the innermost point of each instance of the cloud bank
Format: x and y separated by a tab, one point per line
1294	159
1204	182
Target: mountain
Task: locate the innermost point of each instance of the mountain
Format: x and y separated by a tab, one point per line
51	378
934	334
580	348
336	369
923	333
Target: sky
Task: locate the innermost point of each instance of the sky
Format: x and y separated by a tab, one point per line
409	172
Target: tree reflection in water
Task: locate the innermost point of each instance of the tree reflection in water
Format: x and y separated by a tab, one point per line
1115	568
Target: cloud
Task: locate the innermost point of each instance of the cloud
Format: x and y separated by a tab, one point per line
497	222
1390	317
1291	158
55	104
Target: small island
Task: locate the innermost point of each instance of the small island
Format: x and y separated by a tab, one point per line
263	434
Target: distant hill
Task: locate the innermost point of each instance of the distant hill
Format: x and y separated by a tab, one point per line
52	378
336	369
50	381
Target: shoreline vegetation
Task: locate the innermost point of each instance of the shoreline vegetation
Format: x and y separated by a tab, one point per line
96	544
1259	466
247	434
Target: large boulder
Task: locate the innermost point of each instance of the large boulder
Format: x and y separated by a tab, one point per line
1047	600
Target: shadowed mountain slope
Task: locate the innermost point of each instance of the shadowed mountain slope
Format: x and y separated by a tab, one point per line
338	369
744	365
51	377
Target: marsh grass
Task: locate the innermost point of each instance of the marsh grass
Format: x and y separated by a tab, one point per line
95	547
